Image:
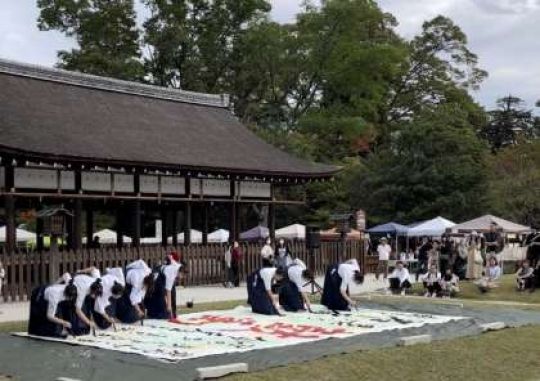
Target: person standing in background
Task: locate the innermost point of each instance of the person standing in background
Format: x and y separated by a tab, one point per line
236	262
282	255
227	263
493	243
384	250
423	257
267	254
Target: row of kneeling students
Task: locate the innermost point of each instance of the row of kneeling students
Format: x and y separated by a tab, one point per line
270	288
77	305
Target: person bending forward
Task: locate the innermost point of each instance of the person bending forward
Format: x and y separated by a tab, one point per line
291	295
259	288
337	283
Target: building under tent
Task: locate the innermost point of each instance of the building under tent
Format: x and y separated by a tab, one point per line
294	231
108	237
23	236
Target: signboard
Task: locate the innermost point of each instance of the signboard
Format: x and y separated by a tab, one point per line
149	184
216	187
123	183
173	185
195	186
33	178
96	181
255	189
67	180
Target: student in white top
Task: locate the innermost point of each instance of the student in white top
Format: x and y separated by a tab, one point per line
105	306
431	281
51	310
291	294
89	288
259	287
161	303
139	282
383	250
449	284
525	277
337	283
400	279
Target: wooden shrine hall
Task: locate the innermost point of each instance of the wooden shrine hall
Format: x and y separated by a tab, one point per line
86	143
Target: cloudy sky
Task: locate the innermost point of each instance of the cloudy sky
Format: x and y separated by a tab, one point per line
504	34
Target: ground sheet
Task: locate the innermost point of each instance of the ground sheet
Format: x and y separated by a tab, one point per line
239	330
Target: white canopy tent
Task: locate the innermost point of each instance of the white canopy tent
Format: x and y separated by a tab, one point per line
483	224
219	236
294	231
431	228
22	235
108	236
196	237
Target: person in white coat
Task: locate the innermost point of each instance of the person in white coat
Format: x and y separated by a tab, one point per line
400	279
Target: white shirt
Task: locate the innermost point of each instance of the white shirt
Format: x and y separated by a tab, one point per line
295	273
267	274
138	270
83	283
267	252
171	273
346	272
493	272
402	275
431	278
384	251
54	295
102	301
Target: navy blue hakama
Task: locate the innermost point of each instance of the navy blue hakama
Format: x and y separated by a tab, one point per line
258	297
38	323
155	304
290	297
331	297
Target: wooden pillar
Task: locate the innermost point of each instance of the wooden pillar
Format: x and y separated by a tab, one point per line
272	221
89	226
9	204
136	220
233	215
76	240
119	227
175	224
205	223
11	231
39	235
187	223
164	226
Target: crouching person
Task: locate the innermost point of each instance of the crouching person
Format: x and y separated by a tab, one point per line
139	282
525	277
259	288
104	311
161	302
449	284
432	282
89	288
337	283
52	309
400	279
291	295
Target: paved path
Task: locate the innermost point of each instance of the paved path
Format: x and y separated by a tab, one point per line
10	312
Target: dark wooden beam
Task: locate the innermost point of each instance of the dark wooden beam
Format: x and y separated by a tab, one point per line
120	226
187	223
11	228
205	223
164	226
175	225
76	233
89	226
136	221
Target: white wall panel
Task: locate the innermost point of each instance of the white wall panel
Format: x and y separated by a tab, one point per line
255	189
96	181
173	185
149	184
212	187
33	178
123	183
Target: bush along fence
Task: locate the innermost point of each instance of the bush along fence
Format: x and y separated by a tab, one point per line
26	270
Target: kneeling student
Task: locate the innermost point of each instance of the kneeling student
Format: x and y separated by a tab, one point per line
337	283
52	309
161	302
400	279
139	281
525	277
89	288
104	311
291	295
431	281
259	287
449	284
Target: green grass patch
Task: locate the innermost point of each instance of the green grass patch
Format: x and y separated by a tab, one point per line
510	355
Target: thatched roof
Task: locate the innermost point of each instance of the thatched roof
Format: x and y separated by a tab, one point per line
49	114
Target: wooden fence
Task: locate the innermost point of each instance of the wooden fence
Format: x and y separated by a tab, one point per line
26	270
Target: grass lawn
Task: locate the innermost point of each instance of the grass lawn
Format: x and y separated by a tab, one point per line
506	292
509	355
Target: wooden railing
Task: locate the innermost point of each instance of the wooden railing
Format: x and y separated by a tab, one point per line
26	270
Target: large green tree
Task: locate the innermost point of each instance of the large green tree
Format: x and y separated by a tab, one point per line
509	124
105	32
435	166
